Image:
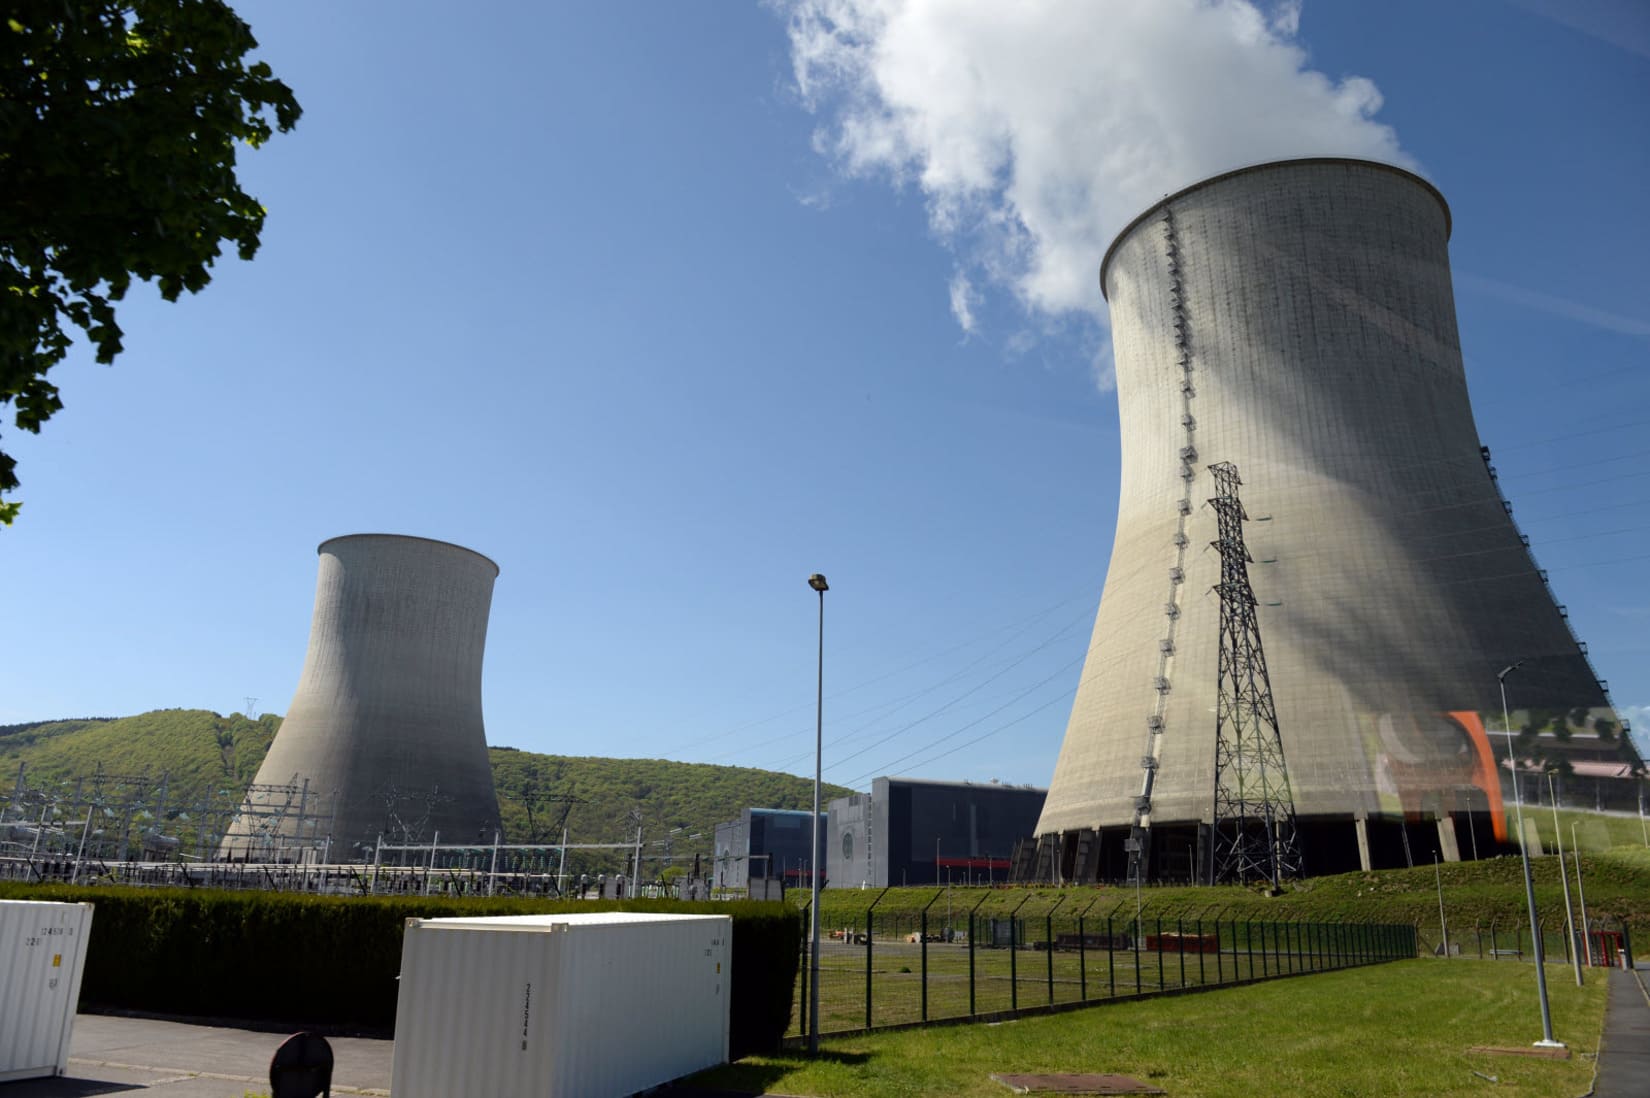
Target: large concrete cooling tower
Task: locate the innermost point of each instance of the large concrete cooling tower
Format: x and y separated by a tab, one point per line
1296	320
384	735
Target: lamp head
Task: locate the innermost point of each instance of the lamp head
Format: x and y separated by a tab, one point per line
1505	671
817	582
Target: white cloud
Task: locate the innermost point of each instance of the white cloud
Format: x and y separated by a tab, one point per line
963	300
1035	130
1639	717
1103	368
1286	17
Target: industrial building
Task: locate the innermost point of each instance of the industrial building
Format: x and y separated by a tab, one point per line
765	845
908	831
384	735
1315	579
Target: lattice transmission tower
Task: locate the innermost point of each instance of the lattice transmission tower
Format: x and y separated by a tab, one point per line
1254	835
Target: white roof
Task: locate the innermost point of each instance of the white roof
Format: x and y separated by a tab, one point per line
563	919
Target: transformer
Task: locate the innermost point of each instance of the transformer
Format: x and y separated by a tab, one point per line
384	736
1295	321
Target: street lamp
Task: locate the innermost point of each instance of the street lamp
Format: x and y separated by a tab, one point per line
1529	882
817	582
1569	912
1586	930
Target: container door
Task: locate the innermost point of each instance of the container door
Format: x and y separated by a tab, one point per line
41	946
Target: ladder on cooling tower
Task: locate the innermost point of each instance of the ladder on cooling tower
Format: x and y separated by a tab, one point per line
1138	844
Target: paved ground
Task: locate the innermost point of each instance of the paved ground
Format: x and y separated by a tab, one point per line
111	1055
1624	1059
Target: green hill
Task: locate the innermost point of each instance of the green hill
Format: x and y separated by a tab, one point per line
597	799
194	747
613	795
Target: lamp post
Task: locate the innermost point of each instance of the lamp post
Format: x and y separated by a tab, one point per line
1569	912
1586	930
1529	882
817	582
1443	927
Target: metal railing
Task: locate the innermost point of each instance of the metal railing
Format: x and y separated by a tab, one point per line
882	970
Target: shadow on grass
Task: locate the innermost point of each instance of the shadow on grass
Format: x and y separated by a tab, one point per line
746	1077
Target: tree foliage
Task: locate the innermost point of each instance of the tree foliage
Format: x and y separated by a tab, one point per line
119	126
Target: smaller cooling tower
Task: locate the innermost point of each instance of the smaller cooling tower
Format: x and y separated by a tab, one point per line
384	735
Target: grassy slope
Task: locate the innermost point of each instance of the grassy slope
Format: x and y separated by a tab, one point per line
692	796
1617	883
195	747
200	749
1396	1029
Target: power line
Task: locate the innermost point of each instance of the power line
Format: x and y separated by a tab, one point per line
899	703
981	684
1521	395
1063	669
1022	625
1021	719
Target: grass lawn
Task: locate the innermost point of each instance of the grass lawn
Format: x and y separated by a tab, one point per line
1393	1029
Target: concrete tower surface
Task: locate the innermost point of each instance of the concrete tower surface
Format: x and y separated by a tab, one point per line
1296	319
385	727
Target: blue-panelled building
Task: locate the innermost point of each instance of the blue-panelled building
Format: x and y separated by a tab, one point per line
766	844
909	831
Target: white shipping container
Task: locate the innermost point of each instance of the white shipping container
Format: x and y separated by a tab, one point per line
559	1006
42	958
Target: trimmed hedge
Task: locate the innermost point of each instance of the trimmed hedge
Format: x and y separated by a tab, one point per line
333	960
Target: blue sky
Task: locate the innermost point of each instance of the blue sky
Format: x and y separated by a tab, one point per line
662	321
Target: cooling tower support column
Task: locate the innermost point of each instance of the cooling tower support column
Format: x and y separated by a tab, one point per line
1254	814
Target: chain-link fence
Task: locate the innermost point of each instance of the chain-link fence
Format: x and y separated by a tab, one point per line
879	969
1602	942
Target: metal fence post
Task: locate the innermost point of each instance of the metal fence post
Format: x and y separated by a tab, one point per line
922	932
870	933
1180	936
1013	963
1137	944
1082	962
1048	948
803	1012
1220	975
1111	961
1201	979
1160	953
971	1003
